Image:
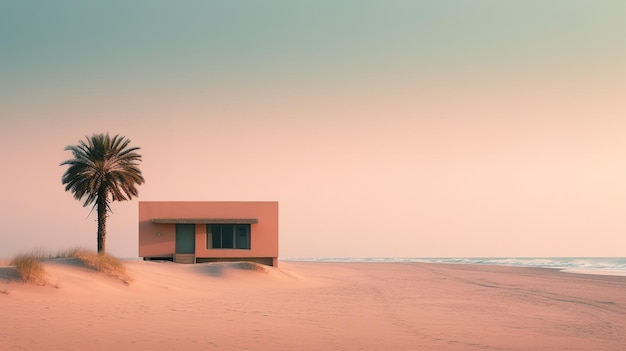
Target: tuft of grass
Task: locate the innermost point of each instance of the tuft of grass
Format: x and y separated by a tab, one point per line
104	263
30	269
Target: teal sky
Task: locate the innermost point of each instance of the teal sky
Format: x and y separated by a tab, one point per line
406	128
143	46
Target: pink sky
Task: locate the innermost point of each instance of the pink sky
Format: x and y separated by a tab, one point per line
486	173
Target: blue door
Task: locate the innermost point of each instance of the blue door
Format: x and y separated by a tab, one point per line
185	238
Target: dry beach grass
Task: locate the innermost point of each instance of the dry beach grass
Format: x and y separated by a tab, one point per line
29	267
313	306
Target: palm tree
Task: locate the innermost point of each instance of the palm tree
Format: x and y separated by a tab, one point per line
103	170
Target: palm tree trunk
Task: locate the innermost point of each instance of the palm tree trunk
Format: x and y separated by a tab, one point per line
102	217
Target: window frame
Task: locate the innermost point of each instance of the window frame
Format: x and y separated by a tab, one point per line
247	245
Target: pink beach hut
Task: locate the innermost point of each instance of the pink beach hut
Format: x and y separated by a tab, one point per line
194	232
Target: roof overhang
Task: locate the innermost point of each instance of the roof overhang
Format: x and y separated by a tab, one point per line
205	220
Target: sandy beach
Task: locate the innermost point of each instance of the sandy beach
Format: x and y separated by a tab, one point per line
314	306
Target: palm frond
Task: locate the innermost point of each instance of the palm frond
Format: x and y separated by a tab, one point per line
102	164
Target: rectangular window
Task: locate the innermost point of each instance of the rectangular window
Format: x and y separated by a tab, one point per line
228	236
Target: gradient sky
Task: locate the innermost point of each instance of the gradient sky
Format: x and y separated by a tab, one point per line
384	128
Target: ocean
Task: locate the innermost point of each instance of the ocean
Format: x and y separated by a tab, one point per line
586	265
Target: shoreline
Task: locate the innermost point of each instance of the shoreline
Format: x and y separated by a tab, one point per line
580	265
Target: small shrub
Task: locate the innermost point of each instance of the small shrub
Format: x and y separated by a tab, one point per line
104	263
30	269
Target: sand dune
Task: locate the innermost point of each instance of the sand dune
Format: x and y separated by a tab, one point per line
313	306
